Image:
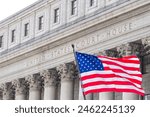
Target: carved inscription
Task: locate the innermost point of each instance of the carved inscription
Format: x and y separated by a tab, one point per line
119	30
80	43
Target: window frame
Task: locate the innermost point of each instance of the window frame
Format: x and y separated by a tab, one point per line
74	7
13	35
91	3
40	22
1	41
26	29
56	15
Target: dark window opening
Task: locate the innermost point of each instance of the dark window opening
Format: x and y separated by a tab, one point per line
73	7
13	34
56	15
41	22
1	41
26	29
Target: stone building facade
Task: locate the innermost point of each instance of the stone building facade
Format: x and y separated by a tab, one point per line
36	58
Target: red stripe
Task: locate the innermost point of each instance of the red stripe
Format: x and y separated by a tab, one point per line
97	75
124	67
130	82
120	59
125	61
135	81
121	71
113	90
108	83
107	76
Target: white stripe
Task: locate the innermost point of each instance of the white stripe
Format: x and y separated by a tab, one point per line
108	80
96	72
127	71
113	86
121	63
134	59
129	76
111	72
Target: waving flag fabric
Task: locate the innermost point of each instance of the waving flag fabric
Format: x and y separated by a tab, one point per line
107	74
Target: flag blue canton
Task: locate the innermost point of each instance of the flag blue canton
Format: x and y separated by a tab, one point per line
88	62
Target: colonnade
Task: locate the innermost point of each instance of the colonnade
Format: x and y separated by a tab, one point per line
30	87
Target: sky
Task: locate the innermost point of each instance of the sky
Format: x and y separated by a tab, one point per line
9	7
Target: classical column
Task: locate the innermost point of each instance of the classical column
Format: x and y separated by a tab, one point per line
6	91
1	95
81	97
20	89
49	77
107	95
34	86
124	50
66	73
146	45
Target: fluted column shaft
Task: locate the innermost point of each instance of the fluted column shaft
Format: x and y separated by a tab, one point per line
34	87
49	77
20	89
1	96
66	72
6	91
81	97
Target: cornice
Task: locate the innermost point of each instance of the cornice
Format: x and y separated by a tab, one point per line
24	12
48	38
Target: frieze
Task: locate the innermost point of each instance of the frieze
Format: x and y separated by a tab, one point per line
80	43
104	35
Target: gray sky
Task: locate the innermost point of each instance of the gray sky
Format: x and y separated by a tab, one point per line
9	7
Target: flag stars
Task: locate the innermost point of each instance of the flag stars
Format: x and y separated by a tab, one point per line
88	62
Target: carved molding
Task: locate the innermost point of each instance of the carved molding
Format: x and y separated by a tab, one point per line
33	81
19	86
146	45
124	49
50	77
67	71
110	53
132	48
7	90
101	53
137	48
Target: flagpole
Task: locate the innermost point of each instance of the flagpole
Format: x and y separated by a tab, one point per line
78	69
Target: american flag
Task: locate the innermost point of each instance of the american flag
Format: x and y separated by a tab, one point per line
108	74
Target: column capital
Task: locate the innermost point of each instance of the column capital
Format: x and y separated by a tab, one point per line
33	81
19	85
100	53
146	44
7	90
3	86
49	77
124	49
133	48
110	53
67	71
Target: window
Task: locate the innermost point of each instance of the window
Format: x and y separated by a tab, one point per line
13	34
41	22
92	2
26	29
73	7
56	15
1	41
